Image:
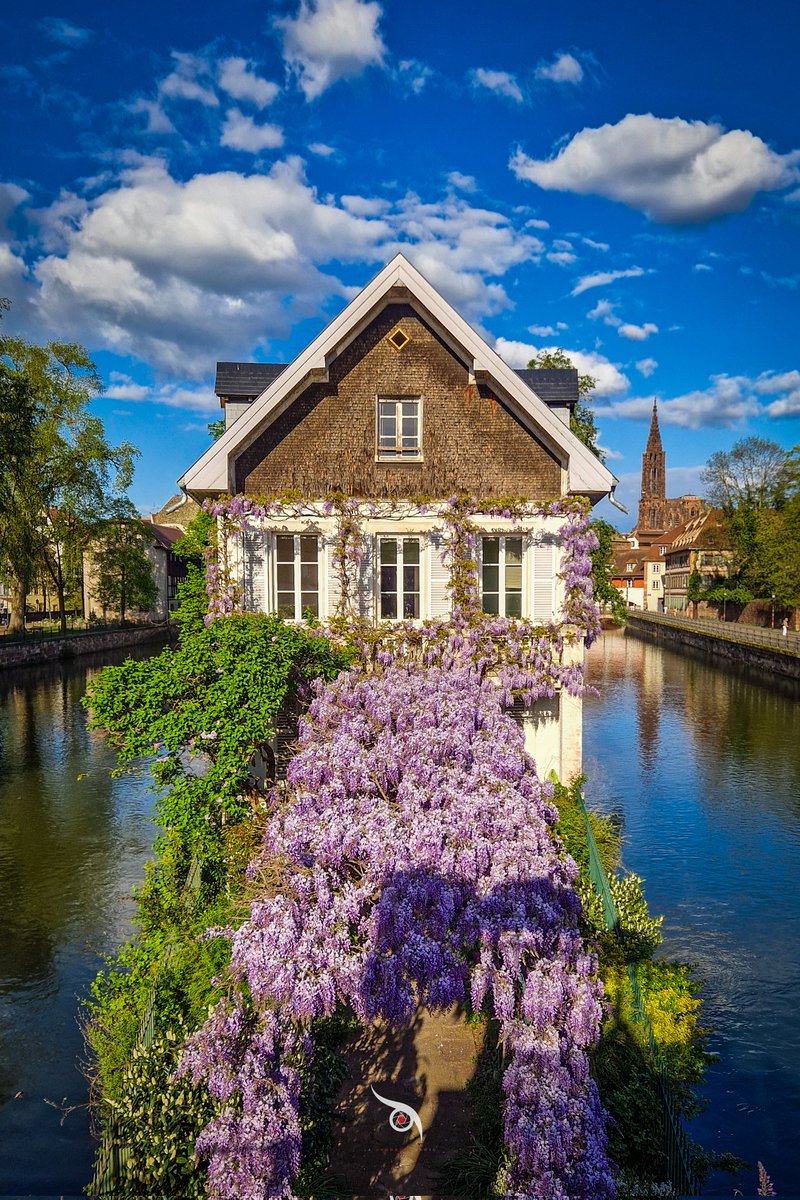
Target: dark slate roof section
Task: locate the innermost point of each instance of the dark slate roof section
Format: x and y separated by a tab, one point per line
557	386
245	379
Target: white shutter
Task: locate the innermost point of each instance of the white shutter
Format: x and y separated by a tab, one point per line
366	581
333	588
543	592
438	577
253	571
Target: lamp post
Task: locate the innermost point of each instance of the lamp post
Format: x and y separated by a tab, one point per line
772	618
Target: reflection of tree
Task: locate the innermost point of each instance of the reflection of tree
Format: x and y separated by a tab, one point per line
58	834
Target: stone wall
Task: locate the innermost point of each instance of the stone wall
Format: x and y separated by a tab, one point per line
42	650
761	658
325	441
757	612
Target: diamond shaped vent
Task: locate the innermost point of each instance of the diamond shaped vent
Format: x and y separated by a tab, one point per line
399	339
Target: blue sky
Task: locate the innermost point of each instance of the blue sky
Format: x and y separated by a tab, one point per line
184	184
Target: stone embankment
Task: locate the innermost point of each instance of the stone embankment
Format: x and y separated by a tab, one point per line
36	649
764	649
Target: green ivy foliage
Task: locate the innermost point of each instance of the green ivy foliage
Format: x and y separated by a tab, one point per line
204	708
159	1119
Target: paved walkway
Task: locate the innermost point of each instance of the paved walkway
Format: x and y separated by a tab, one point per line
426	1066
755	635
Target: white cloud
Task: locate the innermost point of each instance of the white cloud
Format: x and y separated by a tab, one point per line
564	69
65	32
702	267
611	455
604	311
463	183
330	40
178	272
414	74
183	83
727	402
610	380
321	149
157	119
542	330
498	81
562	258
637	333
562	244
788	404
603	246
602	278
239	80
242	133
199	399
646	366
537	223
670	169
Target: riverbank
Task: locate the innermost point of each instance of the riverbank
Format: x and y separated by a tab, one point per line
47	650
762	649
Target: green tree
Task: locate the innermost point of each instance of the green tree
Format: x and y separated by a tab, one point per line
605	593
216	428
581	421
62	474
753	474
123	572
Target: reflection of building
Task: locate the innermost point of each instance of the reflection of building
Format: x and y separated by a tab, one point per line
701	545
656	512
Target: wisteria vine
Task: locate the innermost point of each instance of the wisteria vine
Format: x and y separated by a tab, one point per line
417	867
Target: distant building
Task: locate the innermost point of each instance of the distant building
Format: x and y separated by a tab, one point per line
654	567
628	574
656	512
702	545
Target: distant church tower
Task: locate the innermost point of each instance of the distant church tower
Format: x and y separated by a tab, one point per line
656	512
651	500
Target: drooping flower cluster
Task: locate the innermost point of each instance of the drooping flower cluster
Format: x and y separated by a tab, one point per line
418	868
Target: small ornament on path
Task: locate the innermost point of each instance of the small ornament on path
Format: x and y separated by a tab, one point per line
402	1116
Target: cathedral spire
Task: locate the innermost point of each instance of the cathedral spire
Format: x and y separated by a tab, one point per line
654	438
651	500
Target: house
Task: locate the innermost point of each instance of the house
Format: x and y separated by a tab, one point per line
627	573
654	566
701	545
395	407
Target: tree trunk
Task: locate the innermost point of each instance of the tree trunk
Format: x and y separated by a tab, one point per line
19	601
62	610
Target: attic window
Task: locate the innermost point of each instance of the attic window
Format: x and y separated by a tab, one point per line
399	339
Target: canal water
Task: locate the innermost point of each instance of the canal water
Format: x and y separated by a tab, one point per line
702	764
73	842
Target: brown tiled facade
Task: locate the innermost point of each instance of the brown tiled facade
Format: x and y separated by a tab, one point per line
325	441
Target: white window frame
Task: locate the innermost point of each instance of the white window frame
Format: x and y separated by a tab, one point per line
297	564
400	593
397	453
502	538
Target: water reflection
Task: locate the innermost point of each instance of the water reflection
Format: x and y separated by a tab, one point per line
703	762
70	851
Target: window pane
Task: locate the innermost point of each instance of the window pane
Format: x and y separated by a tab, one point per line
410	579
491	578
387	408
388	606
491	603
410	550
513	577
411	605
388	427
410	409
409	427
514	550
308	549
513	604
285	576
309	577
286	605
491	550
309	601
388	550
389	580
284	544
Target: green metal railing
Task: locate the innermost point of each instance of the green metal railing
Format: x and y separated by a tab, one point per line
113	1156
676	1144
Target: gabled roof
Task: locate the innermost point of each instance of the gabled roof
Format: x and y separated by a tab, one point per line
213	471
